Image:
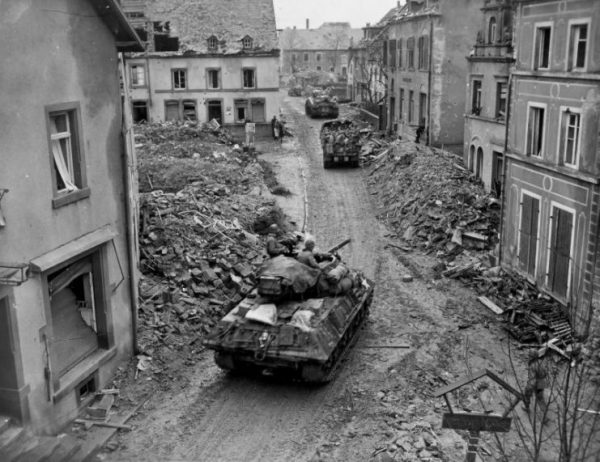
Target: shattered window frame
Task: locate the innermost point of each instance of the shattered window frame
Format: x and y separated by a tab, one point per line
96	295
249	77
179	78
67	158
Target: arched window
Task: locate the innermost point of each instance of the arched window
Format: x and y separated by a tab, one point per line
212	43
247	42
492	30
479	169
471	160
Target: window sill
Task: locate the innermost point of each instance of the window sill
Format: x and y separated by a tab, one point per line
69	198
81	371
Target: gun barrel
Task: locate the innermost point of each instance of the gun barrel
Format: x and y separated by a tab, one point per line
337	247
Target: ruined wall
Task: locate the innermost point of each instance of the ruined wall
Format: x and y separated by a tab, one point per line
61	53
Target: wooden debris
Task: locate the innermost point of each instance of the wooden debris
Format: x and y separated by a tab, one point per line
90	423
490	305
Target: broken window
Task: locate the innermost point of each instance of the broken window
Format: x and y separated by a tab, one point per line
249	110
528	233
214	78
542	47
501	99
248	78
78	313
65	151
476	97
569	137
247	43
212	43
138	75
139	110
189	110
578	46
179	79
241	108
559	258
535	131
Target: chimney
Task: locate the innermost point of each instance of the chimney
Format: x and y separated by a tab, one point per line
307	23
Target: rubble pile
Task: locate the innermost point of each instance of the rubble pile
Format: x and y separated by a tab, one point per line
158	133
431	201
199	246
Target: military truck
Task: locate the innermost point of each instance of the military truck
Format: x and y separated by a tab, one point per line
340	140
297	322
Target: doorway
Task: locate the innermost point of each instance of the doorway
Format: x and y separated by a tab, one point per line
215	111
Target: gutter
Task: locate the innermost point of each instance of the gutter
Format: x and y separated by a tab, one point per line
129	163
429	77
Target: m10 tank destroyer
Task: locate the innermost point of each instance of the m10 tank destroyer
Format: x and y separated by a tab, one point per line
297	322
340	140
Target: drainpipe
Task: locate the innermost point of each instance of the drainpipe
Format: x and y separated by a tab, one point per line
505	163
129	164
429	77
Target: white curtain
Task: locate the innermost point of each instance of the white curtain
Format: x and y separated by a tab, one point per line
59	161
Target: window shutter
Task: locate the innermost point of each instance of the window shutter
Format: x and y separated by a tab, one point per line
385	53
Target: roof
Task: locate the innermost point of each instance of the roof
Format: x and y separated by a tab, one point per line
110	12
411	9
330	36
229	21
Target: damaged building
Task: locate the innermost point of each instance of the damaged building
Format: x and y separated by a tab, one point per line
552	175
67	234
225	66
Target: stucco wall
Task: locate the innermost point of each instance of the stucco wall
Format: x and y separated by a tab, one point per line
57	54
159	86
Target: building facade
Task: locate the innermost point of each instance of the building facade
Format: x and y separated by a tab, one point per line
323	49
68	297
424	58
489	65
551	200
226	66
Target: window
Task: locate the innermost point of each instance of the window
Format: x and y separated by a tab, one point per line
213	78
78	312
139	110
542	47
401	103
179	79
492	30
528	233
411	105
476	97
248	78
176	110
422	109
399	46
535	131
410	52
68	167
497	161
212	43
249	110
501	99
247	43
392	53
578	39
318	56
570	129
471	160
479	165
305	57
559	252
344	71
138	75
423	45
318	68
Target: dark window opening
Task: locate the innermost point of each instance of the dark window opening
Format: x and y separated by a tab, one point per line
139	110
86	389
476	97
542	48
248	78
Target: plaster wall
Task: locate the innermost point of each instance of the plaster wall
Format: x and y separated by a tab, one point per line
61	53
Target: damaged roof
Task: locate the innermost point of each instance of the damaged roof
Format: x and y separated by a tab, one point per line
330	36
110	12
411	9
194	22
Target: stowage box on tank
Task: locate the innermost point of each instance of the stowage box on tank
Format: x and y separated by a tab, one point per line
298	321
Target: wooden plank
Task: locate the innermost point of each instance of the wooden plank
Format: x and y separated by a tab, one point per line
87	422
476	422
490	305
459	383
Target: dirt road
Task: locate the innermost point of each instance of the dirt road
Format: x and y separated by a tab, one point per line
380	406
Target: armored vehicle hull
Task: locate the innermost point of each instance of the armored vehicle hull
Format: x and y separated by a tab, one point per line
300	339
